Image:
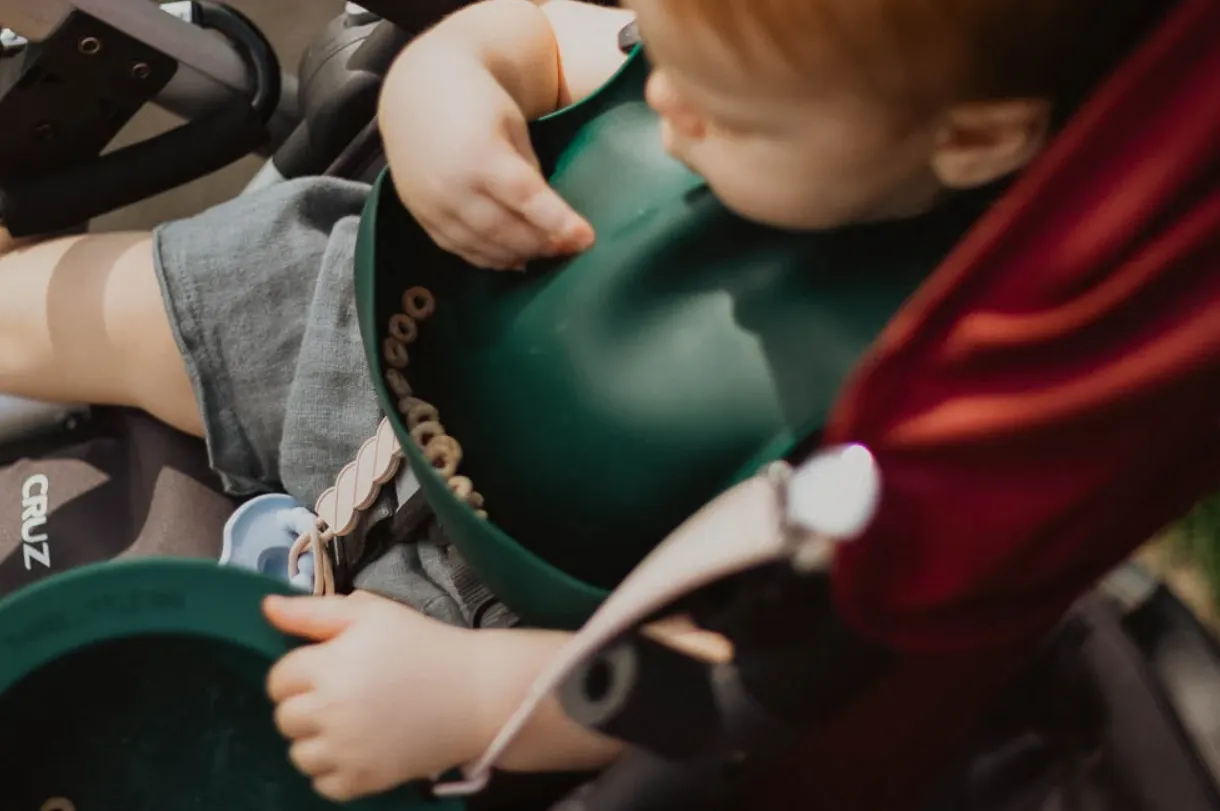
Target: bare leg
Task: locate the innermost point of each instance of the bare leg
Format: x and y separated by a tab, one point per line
82	320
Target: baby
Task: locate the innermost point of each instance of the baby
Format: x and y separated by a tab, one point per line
799	114
239	325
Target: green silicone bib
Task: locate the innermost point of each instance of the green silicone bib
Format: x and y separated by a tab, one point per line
602	399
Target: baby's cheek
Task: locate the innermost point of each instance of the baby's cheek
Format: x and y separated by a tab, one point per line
777	200
680	149
742	192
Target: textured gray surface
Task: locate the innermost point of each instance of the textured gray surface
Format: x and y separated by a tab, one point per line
291	25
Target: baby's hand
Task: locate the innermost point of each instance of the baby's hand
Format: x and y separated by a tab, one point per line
459	151
380	701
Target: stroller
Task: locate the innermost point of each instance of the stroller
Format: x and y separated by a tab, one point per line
911	639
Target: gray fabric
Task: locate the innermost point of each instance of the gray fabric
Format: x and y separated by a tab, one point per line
431	576
428	572
260	297
413	573
259	294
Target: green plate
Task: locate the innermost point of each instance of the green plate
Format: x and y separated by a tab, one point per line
140	685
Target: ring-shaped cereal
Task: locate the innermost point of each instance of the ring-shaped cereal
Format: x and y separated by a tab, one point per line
403	328
442	451
58	804
425	432
395	353
398	384
462	487
444	454
419	303
418	411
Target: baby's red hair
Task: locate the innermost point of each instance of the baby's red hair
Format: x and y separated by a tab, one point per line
943	51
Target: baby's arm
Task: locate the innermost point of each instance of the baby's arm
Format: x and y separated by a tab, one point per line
454	112
553	742
390	696
546	54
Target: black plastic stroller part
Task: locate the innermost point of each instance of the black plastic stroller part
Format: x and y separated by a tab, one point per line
340	79
51	121
416	16
1184	658
77	184
1117	713
619	690
795	663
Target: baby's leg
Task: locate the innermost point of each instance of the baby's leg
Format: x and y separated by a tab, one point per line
82	320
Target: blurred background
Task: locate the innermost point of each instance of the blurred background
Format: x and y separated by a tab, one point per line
290	25
1187	556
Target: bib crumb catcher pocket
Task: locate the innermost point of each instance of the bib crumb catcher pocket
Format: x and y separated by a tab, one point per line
140	686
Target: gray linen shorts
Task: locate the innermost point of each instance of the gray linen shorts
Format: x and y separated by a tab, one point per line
260	297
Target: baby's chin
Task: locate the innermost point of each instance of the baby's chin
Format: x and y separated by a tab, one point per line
766	209
765	212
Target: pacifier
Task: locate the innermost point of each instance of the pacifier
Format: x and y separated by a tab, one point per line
260	534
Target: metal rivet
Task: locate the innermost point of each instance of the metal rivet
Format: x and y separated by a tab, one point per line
89	46
141	71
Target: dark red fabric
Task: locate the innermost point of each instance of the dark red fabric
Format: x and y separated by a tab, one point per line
1051	397
883	752
1040	408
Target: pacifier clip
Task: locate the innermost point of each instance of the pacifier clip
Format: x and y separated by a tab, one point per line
379	459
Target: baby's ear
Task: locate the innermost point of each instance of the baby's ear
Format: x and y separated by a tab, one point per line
984	141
